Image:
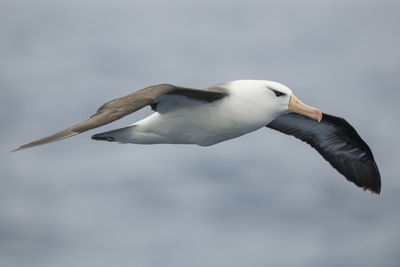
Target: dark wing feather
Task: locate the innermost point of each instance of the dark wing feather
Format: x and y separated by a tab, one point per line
120	107
338	142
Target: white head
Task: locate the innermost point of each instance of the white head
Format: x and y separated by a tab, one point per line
276	96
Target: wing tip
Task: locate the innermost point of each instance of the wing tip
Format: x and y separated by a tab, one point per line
375	186
368	180
23	147
375	179
52	138
17	149
374	191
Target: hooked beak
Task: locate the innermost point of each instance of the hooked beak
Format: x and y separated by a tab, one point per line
295	105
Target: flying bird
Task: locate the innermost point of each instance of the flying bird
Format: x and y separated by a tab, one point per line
229	110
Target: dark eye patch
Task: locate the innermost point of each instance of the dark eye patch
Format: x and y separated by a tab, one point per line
277	93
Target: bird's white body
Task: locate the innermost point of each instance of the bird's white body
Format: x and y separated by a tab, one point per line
249	106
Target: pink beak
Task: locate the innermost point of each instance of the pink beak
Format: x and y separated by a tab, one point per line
295	105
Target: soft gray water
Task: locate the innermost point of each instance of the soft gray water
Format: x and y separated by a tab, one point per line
264	199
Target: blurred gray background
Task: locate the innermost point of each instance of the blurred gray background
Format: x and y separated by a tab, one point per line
78	202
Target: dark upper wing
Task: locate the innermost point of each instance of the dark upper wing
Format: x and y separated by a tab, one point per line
178	97
338	142
120	107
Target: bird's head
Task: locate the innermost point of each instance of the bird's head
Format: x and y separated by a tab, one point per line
284	100
268	99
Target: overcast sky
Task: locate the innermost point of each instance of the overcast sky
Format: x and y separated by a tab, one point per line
264	199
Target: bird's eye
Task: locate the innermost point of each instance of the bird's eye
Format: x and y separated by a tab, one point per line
277	93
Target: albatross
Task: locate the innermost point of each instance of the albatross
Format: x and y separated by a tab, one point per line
228	110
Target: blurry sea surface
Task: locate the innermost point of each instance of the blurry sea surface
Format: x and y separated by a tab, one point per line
264	199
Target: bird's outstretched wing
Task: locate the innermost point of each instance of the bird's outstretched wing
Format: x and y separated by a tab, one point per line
338	142
120	107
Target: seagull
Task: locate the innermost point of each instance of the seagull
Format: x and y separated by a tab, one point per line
228	110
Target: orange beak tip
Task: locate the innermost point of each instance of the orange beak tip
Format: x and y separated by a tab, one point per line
319	115
295	105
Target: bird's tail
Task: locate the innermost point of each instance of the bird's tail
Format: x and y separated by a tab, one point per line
122	135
